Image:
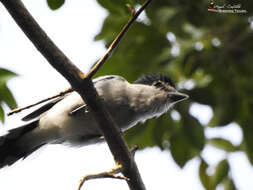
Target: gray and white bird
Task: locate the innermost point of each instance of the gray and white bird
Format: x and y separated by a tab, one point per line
67	119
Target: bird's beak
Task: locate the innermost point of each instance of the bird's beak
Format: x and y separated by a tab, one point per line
177	96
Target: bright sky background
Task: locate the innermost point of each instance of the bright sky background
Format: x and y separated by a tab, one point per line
58	167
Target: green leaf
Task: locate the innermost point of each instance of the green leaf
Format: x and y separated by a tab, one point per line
247	143
7	97
223	144
115	6
191	127
189	139
5	75
1	114
55	4
5	94
181	150
194	131
221	173
204	178
164	127
229	184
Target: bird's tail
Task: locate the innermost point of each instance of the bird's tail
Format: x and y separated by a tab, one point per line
10	150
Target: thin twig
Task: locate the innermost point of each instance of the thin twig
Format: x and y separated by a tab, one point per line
40	102
116	41
110	174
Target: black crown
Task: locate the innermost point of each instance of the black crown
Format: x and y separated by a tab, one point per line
151	78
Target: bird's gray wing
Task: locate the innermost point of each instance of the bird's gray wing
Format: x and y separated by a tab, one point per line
83	108
80	109
42	109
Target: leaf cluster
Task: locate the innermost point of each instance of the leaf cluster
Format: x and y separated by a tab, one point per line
6	96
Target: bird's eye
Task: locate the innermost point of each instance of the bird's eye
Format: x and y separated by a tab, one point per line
158	84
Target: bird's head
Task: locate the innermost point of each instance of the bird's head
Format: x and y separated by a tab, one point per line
164	93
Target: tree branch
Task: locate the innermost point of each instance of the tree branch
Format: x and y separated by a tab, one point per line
83	85
109	174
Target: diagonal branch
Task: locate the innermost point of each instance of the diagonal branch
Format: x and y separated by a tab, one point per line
83	85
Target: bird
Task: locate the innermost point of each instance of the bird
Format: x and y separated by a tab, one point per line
68	120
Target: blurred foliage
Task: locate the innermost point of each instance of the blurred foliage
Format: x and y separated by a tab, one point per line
5	94
185	41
